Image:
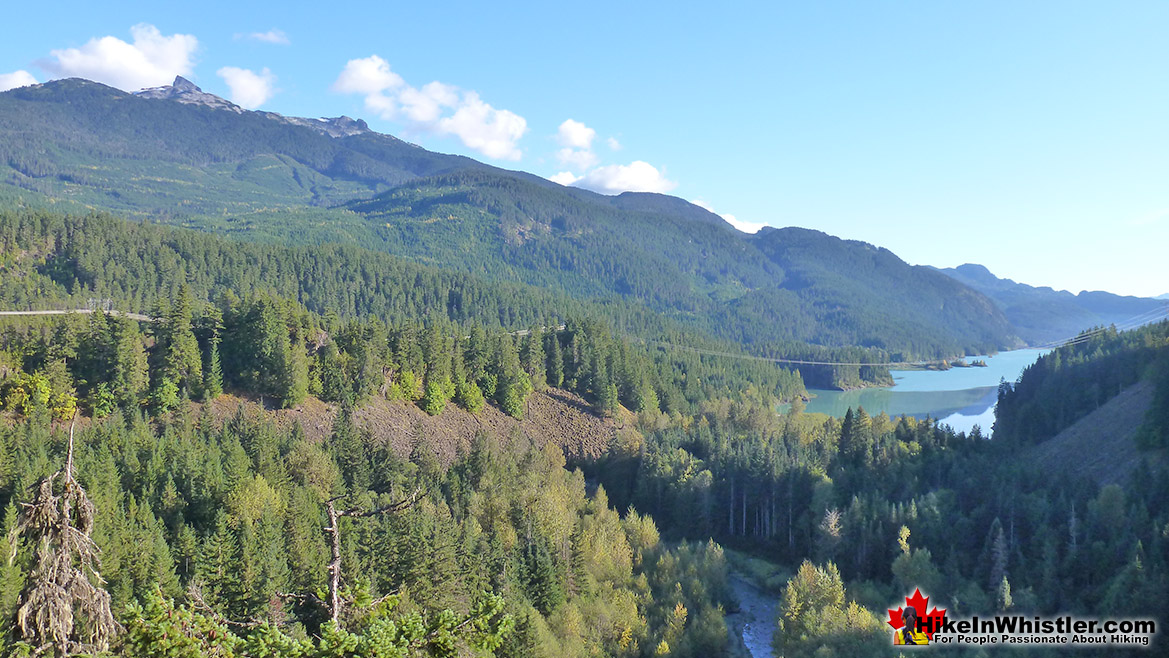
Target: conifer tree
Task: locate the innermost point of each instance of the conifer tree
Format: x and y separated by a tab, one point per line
128	377
533	358
349	450
514	384
555	373
213	373
524	640
95	354
645	398
541	578
578	575
1003	601
478	353
605	392
293	373
181	361
511	401
217	576
211	326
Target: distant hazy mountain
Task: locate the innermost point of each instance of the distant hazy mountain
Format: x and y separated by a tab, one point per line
1043	314
178	155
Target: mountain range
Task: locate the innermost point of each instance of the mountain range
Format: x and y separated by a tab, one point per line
1045	315
177	155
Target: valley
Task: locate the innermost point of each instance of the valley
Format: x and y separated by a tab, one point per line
359	398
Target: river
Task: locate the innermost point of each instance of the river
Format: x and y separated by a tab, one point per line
958	397
755	622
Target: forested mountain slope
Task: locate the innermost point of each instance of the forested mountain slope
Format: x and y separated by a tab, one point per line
75	145
866	295
53	261
88	143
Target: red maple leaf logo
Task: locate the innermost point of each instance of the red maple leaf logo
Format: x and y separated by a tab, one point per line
929	623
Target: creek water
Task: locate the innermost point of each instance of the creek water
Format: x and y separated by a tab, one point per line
756	620
958	397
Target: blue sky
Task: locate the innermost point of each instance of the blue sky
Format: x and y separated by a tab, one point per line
1030	137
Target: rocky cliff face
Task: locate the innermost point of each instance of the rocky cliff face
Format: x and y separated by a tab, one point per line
335	127
185	91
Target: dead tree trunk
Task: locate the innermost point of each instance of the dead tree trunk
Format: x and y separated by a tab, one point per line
731	508
334	563
334	532
62	609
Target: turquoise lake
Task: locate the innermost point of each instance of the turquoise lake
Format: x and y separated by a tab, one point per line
959	397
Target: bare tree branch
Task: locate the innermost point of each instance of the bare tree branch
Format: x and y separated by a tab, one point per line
61	606
334	532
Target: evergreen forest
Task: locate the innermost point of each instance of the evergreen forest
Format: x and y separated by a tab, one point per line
271	391
214	524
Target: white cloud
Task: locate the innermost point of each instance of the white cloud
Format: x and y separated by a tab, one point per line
576	159
614	145
16	79
436	107
745	227
637	176
152	60
427	104
564	178
575	134
370	75
577	140
248	88
492	132
273	36
384	106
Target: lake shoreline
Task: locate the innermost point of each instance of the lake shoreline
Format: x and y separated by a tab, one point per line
960	397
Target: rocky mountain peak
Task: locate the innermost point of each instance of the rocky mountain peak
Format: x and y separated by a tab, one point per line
186	92
183	84
341	126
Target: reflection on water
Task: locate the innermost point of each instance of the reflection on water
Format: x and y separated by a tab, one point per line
959	397
911	403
